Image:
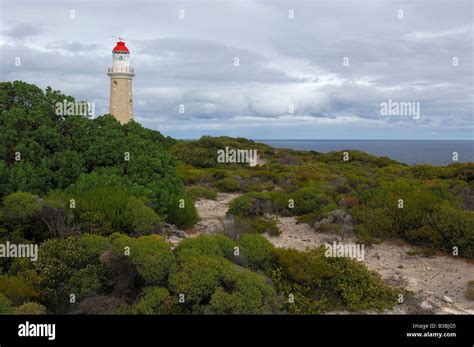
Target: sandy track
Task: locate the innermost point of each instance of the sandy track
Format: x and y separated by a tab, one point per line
212	212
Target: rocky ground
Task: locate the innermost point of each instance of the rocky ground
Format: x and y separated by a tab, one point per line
437	283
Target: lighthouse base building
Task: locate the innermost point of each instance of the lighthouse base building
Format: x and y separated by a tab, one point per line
121	74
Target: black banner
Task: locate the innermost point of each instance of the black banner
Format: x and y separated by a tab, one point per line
442	330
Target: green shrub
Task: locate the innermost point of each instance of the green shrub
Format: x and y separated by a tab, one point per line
197	278
227	185
359	288
182	213
305	268
94	245
87	281
21	205
243	292
308	200
342	279
191	175
18	289
425	236
196	192
298	298
261	226
5	305
257	252
142	218
197	156
102	210
150	254
30	308
216	246
155	300
455	227
251	205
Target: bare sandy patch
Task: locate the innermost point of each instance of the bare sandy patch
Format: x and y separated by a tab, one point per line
212	212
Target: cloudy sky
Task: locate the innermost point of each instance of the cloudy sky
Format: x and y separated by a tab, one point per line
333	61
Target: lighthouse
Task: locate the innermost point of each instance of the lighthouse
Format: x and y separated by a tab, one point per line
121	74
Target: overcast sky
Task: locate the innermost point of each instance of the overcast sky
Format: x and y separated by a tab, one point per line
283	62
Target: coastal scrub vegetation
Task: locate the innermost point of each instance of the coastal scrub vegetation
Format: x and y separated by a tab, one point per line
96	195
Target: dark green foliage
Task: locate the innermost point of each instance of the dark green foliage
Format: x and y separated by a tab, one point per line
182	213
359	288
242	292
197	278
227	185
214	285
150	254
320	278
252	205
18	289
265	225
87	281
107	209
203	153
455	229
218	246
257	252
6	306
308	200
56	150
430	216
154	300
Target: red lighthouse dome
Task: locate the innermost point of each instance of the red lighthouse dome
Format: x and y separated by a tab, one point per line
120	47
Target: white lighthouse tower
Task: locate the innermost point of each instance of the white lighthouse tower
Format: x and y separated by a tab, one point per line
121	74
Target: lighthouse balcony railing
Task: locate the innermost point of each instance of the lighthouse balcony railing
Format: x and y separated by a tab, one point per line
121	69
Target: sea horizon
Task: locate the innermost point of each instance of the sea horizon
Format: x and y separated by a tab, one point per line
412	152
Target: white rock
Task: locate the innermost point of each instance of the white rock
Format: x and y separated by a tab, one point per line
426	305
448	299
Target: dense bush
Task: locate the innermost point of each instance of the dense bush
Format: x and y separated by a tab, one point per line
197	278
243	292
455	228
257	252
265	225
218	246
18	289
182	213
430	216
252	205
343	279
150	254
55	150
227	185
308	200
6	306
155	300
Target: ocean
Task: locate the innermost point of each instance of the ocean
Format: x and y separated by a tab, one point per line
433	152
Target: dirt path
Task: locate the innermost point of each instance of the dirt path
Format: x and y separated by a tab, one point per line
430	279
212	212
